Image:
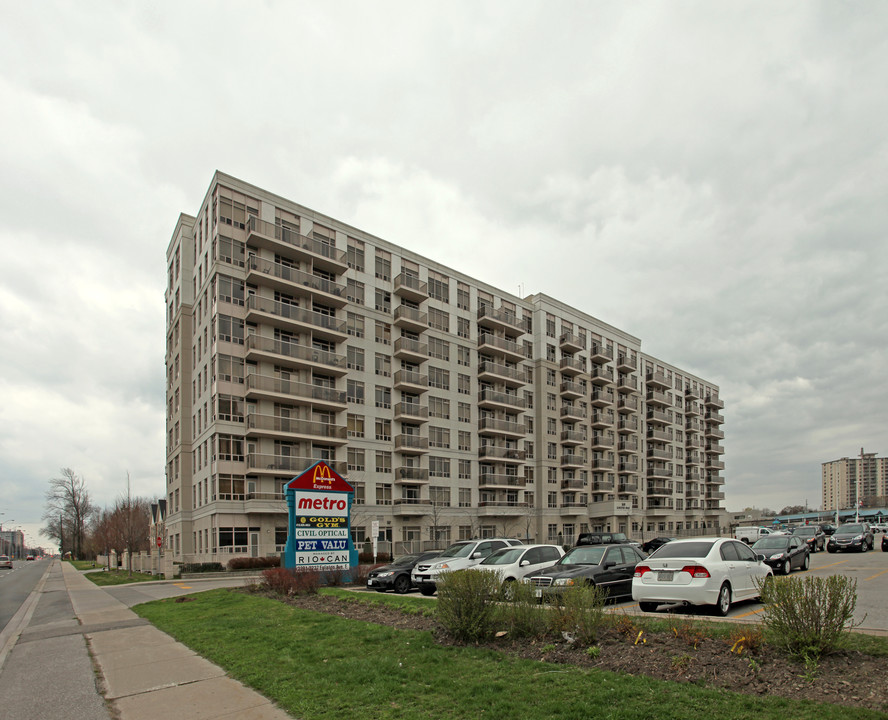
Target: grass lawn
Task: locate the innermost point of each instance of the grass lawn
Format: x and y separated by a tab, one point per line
119	577
84	564
322	666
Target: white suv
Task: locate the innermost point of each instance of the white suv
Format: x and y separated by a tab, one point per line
458	556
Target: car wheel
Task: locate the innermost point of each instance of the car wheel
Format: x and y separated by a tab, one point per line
724	600
830	549
807	563
787	567
884	547
402	584
863	547
647	606
508	590
427	590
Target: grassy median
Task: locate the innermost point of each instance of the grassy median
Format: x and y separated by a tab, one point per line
316	665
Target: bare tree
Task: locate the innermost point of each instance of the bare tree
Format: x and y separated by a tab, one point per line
68	510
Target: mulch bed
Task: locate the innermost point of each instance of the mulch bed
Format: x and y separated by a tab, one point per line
844	678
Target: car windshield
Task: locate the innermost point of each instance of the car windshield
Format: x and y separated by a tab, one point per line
805	531
458	550
406	560
678	549
505	556
583	556
850	529
771	543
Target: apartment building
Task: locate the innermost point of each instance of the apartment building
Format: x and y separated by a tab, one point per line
847	481
454	408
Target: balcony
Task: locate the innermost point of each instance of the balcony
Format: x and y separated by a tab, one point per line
659	489
660	506
493	345
266	503
261	463
500	319
600	353
411	350
658	435
693	424
692	409
410	507
627	363
714	495
602	419
602	463
659	417
714	479
601	375
569	460
692	394
627	424
411	475
657	379
507	375
289	243
693	458
572	484
497	426
627	466
659	470
411	444
655	397
570	343
715	448
692	440
293	355
262	310
411	381
600	486
572	413
411	288
659	454
600	441
572	437
573	508
572	366
714	432
410	319
714	417
627	383
265	387
411	412
501	454
494	399
630	485
496	480
713	464
713	401
627	446
294	428
501	508
571	390
601	397
627	404
292	281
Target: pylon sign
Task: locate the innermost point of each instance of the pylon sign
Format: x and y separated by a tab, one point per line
319	525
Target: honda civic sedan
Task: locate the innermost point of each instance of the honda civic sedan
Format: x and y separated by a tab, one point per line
699	571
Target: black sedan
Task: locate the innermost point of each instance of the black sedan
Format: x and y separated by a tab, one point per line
813	535
851	536
784	552
884	542
396	576
654	543
610	567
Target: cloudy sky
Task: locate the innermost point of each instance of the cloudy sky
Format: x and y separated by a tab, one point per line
709	177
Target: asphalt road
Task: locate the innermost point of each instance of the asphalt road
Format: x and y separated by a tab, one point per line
16	585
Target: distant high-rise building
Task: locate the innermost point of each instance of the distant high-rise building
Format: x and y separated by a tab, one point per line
454	408
848	481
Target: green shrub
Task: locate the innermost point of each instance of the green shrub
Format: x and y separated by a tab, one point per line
253	563
523	616
467	609
580	613
202	567
808	616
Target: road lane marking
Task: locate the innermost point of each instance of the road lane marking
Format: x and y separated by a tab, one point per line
873	577
183	587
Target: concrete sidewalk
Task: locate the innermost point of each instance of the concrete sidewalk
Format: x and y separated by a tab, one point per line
114	663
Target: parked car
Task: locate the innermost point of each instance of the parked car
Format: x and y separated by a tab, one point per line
5	562
784	552
885	542
608	566
458	556
30	557
812	535
749	535
699	571
828	529
851	536
514	563
396	576
879	527
604	538
654	543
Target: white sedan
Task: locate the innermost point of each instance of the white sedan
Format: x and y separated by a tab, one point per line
699	571
513	563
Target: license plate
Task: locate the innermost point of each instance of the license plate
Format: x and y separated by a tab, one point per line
664	576
369	582
539	593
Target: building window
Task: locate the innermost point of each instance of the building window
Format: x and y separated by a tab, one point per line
355	254
464	412
383	365
383	494
462	327
465	440
439	466
354	325
464	384
439	495
383	429
463	299
439	408
355	358
355	391
439	349
383	397
383	462
383	301
439	320
356	459
383	333
438	287
439	378
354	291
355	425
465	473
463	356
439	437
383	265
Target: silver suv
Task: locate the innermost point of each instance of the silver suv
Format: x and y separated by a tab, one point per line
460	555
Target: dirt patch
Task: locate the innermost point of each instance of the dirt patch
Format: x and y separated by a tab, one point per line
845	678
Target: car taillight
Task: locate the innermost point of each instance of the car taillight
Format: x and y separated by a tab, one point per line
697	571
641	570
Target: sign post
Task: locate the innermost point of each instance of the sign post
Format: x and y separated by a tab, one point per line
318	529
374	531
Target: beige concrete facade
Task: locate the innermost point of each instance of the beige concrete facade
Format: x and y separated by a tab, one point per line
454	408
845	480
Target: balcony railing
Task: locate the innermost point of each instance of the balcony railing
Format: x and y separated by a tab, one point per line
281	386
518	374
295	276
295	351
295	426
290	237
503	426
496	452
487	395
295	314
